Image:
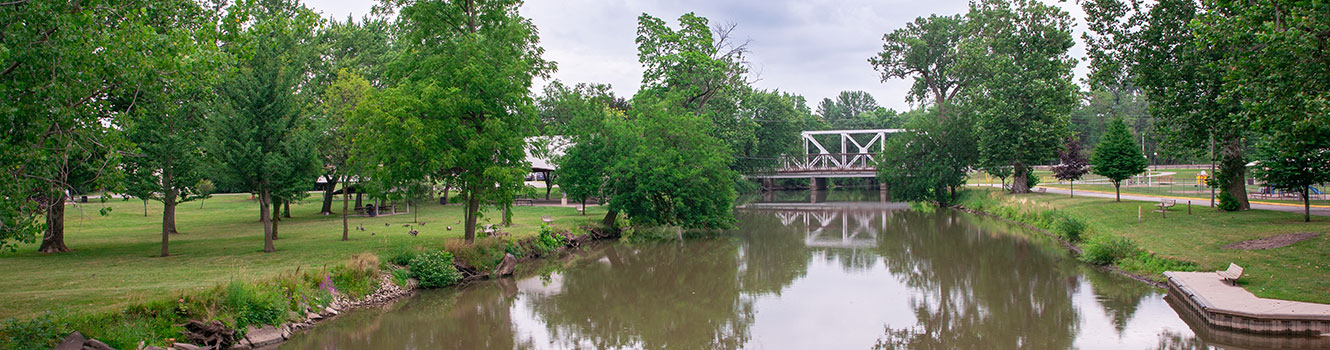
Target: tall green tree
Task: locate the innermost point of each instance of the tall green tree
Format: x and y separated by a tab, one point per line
673	173
1117	156
780	118
851	110
1025	94
705	65
264	138
1279	73
346	47
63	66
167	125
347	93
466	72
1183	79
931	161
926	50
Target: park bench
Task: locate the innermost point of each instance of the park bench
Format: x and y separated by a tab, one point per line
1164	204
1231	275
547	219
1043	190
524	201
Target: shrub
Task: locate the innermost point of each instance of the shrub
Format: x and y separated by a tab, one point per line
434	269
548	241
1031	180
402	256
38	332
1106	249
1227	202
400	276
254	306
1070	228
483	255
357	278
1150	263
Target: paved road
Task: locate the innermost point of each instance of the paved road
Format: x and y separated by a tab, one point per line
1290	208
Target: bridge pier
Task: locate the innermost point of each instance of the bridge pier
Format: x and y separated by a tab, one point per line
817	183
882	188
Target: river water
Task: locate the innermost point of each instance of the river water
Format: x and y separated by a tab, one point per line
797	276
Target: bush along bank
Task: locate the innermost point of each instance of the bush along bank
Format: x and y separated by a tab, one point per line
1092	245
244	315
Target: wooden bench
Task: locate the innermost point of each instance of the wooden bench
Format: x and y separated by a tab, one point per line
1164	204
1231	275
526	201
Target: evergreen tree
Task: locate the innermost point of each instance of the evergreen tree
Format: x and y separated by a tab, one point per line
1117	156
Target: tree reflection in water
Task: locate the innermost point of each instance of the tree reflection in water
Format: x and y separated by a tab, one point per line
975	288
663	295
948	280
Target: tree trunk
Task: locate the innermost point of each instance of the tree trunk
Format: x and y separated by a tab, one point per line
54	240
286	209
346	202
1306	205
507	215
472	206
1019	182
1117	190
583	207
359	196
549	185
610	217
1073	188
446	188
1235	168
276	209
168	215
328	195
264	201
145	207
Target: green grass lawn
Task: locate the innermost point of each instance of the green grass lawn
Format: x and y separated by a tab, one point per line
1297	272
115	263
1182	184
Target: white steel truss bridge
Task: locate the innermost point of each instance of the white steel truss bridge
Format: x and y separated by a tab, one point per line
852	159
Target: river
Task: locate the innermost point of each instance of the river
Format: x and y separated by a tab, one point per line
797	276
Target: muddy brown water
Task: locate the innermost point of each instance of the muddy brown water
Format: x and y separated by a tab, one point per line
798	276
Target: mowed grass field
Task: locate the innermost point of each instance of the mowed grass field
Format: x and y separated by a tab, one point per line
1297	272
115	260
1181	184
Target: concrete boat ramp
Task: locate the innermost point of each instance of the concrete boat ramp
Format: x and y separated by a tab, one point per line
1233	308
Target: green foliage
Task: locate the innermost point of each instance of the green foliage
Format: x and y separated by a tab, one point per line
39	332
548	241
254	306
357	278
931	162
1107	249
400	276
1069	228
927	50
482	255
462	108
855	110
402	256
434	269
1024	92
1227	202
1117	156
1148	263
780	117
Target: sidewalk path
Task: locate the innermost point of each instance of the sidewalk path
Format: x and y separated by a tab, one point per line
1318	210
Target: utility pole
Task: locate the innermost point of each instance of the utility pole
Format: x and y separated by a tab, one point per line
1212	168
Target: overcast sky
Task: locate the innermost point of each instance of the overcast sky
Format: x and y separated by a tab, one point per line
815	48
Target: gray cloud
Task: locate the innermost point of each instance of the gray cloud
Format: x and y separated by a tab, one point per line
814	48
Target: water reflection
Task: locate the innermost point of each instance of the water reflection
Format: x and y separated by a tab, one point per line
795	276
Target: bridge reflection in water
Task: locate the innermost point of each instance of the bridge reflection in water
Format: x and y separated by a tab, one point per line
798	275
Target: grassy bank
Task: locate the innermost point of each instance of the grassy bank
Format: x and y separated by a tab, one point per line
114	267
1111	234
